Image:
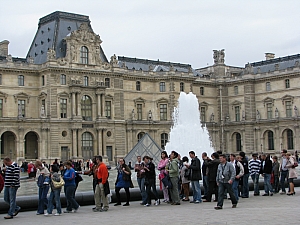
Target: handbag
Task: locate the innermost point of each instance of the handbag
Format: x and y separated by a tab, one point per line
40	181
166	181
187	174
126	177
58	184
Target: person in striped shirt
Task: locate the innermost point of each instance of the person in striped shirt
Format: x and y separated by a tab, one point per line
254	169
11	185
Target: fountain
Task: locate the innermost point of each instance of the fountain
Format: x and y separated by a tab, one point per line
187	133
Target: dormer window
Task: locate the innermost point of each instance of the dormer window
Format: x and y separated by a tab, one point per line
84	53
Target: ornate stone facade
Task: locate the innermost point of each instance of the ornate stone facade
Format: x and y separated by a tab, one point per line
73	103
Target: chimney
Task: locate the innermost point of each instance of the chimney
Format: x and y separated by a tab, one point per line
269	56
4	48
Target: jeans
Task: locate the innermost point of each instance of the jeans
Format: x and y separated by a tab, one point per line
255	178
10	198
283	177
235	189
196	190
245	187
205	185
141	183
71	202
276	184
267	183
151	184
54	195
43	201
222	187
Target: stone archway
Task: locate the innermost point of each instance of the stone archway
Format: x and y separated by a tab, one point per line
8	145
31	147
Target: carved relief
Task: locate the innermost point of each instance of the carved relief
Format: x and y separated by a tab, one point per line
219	56
51	54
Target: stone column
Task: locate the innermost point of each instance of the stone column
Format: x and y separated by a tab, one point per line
104	143
99	141
98	106
73	104
74	143
78	104
79	147
103	105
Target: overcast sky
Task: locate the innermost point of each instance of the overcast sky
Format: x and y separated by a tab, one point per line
184	31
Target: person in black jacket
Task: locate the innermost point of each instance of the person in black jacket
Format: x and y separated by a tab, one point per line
245	178
266	170
212	166
150	180
195	168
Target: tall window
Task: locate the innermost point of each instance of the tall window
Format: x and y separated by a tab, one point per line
84	54
270	140
138	85
139	111
86	108
269	111
268	86
290	139
238	142
202	114
140	135
63	108
43	80
1	107
181	86
236	90
63	79
162	86
21	80
287	83
87	145
21	109
237	113
201	90
107	82
163	111
288	108
85	81
163	140
108	109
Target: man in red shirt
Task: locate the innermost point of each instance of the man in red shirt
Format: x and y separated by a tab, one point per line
99	196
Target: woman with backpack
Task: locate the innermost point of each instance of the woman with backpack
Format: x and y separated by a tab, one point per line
42	177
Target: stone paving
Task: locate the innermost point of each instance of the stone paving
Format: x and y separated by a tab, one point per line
275	210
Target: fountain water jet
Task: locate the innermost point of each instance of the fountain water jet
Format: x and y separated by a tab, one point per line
187	133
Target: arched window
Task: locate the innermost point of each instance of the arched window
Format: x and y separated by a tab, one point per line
163	140
86	108
84	55
270	140
181	86
140	135
138	85
87	145
107	82
238	142
290	139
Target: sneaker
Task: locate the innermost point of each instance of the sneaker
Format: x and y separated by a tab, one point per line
197	201
103	210
96	210
57	214
75	210
218	207
157	202
47	214
8	217
147	205
67	211
234	205
17	211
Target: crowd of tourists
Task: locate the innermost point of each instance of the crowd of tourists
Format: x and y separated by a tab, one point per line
221	175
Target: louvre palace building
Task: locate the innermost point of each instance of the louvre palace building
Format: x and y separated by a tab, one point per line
66	99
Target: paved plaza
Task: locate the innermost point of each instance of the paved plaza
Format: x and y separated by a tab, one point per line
278	209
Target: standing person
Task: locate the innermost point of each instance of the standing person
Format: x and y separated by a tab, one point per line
204	175
92	172
254	168
31	170
69	178
245	178
102	178
123	181
212	166
55	192
140	174
195	168
276	172
162	171
56	162
42	177
11	185
225	177
150	180
266	171
284	172
239	172
185	180
173	171
291	160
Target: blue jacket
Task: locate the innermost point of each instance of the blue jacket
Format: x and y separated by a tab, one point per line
69	177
